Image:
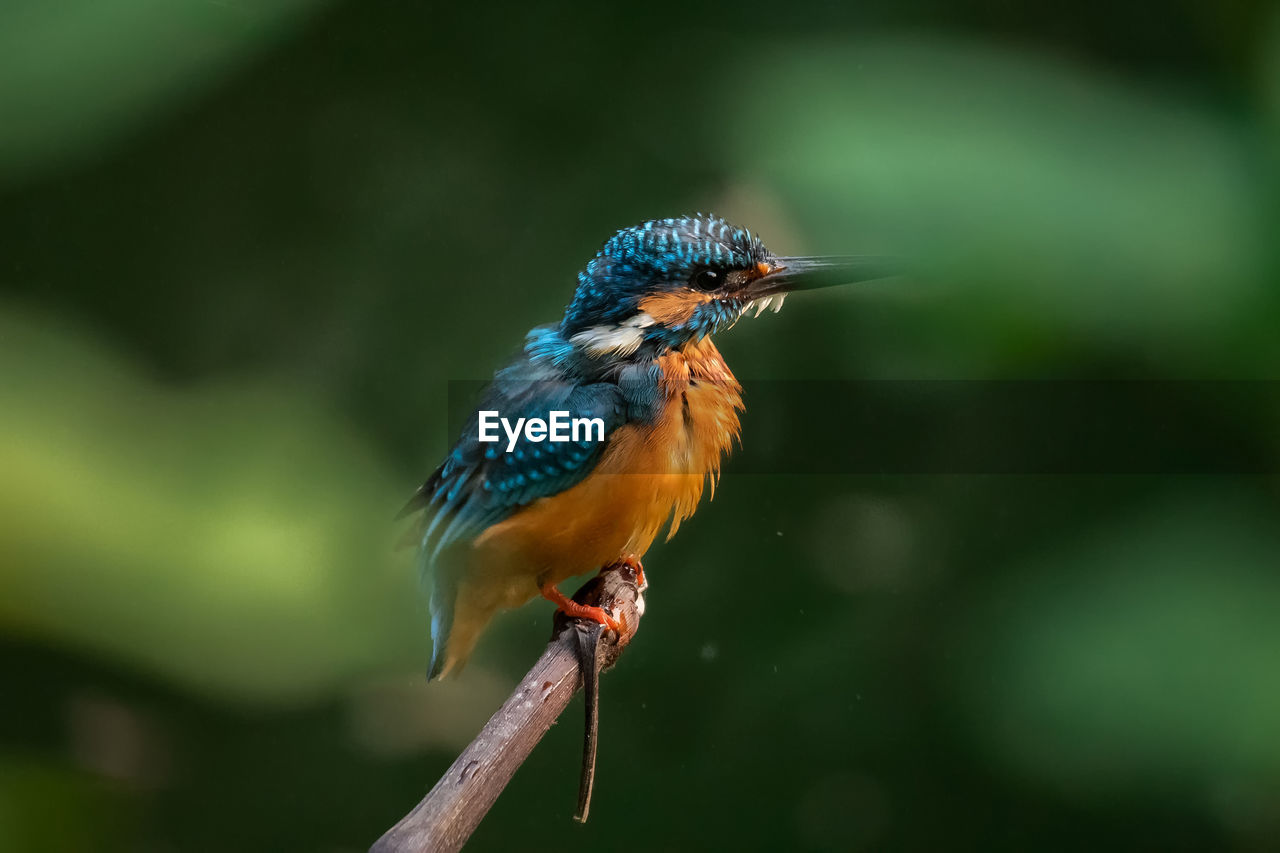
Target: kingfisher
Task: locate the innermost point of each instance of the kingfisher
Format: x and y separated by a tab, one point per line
502	522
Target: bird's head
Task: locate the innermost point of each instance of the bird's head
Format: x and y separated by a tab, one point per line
666	282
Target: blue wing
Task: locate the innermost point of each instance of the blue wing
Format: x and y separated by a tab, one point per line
481	483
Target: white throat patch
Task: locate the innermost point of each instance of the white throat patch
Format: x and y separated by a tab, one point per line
623	339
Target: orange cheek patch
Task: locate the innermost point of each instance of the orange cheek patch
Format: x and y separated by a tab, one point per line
672	309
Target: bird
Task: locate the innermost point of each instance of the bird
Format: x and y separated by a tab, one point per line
502	522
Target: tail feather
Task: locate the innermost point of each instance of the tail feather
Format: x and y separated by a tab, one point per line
444	598
456	625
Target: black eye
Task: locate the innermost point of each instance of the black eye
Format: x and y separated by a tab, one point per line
706	280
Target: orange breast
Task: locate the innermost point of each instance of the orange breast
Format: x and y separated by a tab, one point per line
649	475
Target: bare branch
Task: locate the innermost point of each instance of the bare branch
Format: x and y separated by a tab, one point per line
451	811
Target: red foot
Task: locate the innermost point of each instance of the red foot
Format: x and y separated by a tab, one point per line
572	608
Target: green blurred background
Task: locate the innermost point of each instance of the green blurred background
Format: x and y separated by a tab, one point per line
245	245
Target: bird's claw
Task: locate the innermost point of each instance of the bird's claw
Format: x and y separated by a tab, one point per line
604	617
574	610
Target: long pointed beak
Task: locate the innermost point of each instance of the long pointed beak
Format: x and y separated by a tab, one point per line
809	272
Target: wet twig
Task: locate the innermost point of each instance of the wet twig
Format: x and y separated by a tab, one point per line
446	817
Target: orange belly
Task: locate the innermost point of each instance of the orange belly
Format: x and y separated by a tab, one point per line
649	475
